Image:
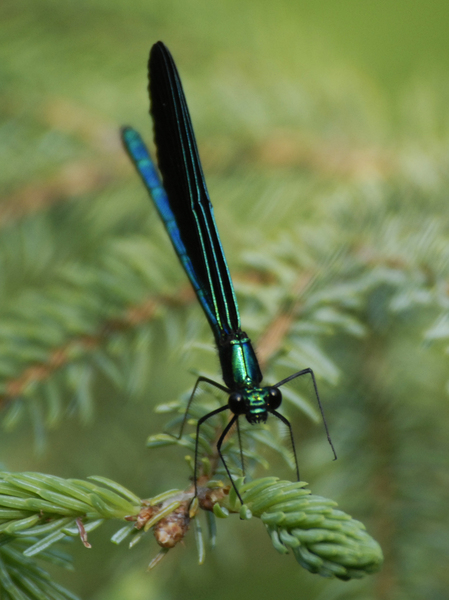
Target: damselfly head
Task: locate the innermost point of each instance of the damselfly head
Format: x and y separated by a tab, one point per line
255	403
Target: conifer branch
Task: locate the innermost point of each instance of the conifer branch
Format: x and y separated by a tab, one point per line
38	511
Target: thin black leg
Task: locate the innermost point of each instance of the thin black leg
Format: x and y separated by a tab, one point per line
305	372
198	381
240	447
287	422
219	443
198	425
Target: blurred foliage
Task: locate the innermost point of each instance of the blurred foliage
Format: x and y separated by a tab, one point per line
328	175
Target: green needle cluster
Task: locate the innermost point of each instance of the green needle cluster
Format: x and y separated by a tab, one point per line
49	508
324	540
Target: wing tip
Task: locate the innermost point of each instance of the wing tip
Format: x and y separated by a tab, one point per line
159	50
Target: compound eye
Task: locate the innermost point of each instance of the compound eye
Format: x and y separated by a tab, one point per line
236	403
274	398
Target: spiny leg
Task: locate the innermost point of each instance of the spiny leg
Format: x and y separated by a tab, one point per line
198	425
287	422
219	443
305	372
192	395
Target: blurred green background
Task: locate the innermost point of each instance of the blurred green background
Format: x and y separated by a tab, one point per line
323	130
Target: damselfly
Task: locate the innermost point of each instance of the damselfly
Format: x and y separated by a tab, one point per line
183	203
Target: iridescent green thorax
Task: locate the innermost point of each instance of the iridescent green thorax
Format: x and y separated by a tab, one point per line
239	363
